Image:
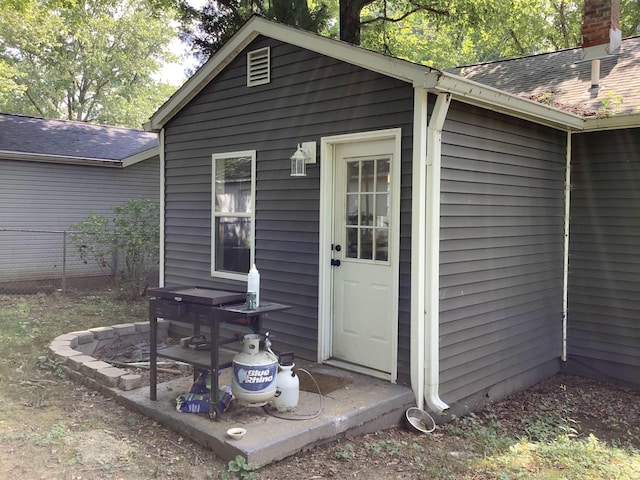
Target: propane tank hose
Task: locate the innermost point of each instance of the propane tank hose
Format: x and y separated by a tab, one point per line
295	416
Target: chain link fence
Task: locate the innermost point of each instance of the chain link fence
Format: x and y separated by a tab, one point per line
46	261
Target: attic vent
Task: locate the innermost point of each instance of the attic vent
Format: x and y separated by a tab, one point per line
258	67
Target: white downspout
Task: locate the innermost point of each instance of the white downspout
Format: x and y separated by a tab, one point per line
162	204
432	329
565	280
418	251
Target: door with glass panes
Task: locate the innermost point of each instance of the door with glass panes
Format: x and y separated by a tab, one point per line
363	316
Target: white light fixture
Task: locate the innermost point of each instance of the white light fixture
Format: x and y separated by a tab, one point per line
305	153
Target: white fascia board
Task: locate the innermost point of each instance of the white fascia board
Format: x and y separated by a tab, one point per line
614	122
468	91
141	156
389	66
37	157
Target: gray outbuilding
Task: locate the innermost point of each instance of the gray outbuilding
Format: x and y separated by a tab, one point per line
428	242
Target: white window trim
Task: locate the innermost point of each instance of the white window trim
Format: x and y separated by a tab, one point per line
252	214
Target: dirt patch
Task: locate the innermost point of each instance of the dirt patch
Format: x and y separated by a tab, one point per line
69	432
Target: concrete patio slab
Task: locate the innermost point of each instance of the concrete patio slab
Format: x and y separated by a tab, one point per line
364	405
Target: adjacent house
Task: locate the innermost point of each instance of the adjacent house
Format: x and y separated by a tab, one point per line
451	235
52	174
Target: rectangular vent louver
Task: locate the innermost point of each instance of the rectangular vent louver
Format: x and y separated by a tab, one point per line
258	67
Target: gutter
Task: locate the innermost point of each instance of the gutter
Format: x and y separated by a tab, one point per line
474	93
425	250
63	159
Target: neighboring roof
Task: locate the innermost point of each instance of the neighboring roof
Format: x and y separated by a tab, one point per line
562	78
63	141
419	76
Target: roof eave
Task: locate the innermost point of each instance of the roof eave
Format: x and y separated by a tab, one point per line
389	66
141	156
614	122
63	159
462	89
480	95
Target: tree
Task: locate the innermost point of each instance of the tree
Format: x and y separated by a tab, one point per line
86	60
470	31
440	33
208	29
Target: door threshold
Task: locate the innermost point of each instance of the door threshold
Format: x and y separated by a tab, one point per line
359	369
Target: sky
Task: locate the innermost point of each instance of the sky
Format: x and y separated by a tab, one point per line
174	73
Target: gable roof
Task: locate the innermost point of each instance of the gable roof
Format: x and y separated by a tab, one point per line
462	89
561	77
62	141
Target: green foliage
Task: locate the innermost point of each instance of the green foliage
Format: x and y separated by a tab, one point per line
91	61
134	233
240	468
210	28
345	453
609	104
439	33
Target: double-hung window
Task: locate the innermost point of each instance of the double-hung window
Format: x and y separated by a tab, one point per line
233	209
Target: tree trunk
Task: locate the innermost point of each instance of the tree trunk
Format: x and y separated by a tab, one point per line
350	19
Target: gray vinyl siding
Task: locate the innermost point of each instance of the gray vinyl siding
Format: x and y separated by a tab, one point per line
310	96
604	261
502	215
45	199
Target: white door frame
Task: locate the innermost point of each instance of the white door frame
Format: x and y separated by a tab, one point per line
325	291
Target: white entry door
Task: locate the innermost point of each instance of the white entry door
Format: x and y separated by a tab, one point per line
364	260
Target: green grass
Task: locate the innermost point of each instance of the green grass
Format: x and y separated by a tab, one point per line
28	323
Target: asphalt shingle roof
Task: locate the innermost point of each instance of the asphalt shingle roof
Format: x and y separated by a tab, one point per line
563	78
43	136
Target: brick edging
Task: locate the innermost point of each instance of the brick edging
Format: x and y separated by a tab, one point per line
75	351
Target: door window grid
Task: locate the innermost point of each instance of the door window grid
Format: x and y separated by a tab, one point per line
367	212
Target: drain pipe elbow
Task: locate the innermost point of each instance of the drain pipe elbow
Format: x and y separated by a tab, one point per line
435	403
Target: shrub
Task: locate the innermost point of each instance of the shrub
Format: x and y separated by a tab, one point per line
133	234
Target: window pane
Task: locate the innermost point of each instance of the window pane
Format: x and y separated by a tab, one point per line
353	176
383	178
233	185
366	243
382	210
366	209
352	209
367	175
233	244
382	244
352	243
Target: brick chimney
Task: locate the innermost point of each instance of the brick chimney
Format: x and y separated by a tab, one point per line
601	34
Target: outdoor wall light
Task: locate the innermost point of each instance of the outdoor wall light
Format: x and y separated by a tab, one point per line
305	153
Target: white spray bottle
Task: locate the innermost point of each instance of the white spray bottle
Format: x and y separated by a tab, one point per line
253	283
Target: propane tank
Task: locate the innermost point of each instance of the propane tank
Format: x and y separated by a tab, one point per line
255	372
287	385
